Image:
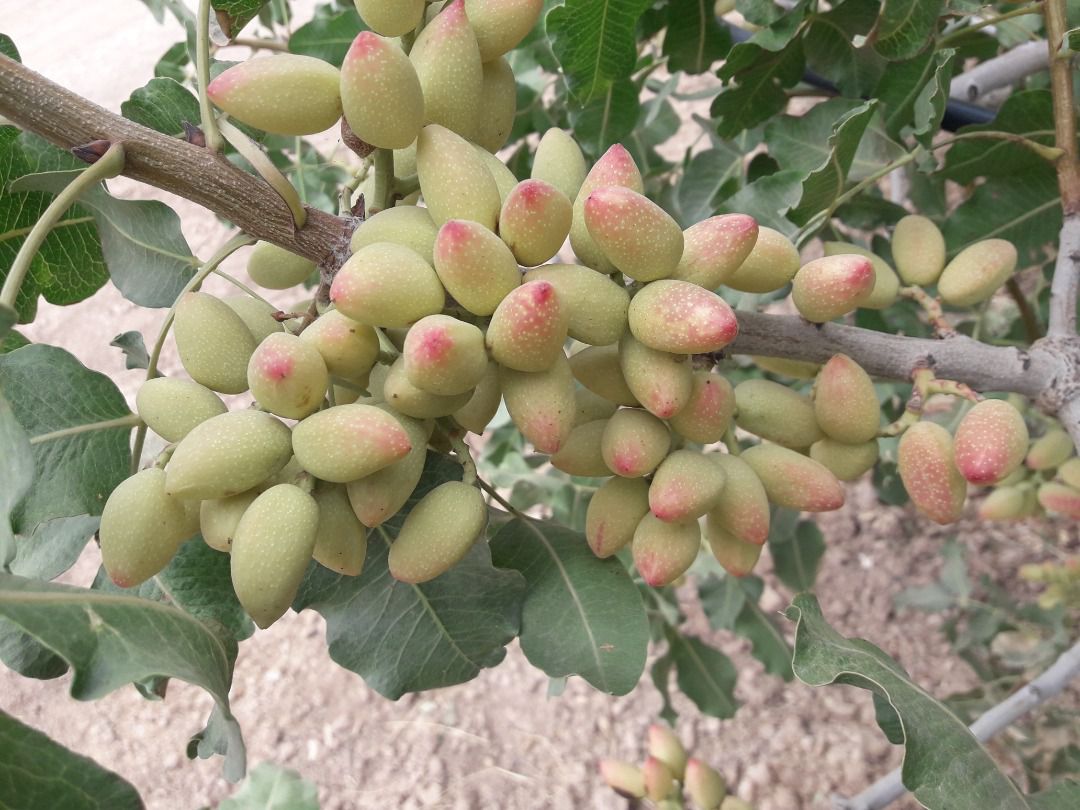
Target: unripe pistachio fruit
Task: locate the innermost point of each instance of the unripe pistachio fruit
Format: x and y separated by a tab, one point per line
444	356
634	443
772	263
596	305
635	234
927	467
541	403
743	506
288	376
406	225
918	249
535	221
498	106
599	369
707	414
660	381
213	342
558	161
347	442
500	25
977	272
845	404
340	540
275	268
794	480
172	407
285	94
991	442
614	513
777	413
715	248
529	327
735	556
454	179
832	286
377	497
475	265
385	284
685	486
447	60
615	167
581	453
349	349
681	317
380	93
391	18
438	532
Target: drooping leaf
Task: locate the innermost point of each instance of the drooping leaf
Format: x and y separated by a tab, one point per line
406	638
36	772
233	15
111	640
660	672
16	475
906	27
54	547
1024	208
1028	113
797	557
731	603
944	765
68	266
694	39
581	615
327	36
704	674
929	107
49	390
825	182
198	580
271	787
134	348
594	42
148	258
899	88
830	50
163	104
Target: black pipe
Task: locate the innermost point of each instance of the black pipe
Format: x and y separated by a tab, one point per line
957	113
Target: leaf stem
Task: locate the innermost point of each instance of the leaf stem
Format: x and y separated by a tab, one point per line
108	165
267	170
202	70
499	499
384	179
1031	8
461	449
226	250
238	283
131	420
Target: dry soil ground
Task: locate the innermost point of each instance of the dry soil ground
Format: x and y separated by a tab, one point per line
499	741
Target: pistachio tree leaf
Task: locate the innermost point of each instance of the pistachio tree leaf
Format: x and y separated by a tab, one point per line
756	91
594	41
660	672
163	104
906	27
49	390
731	603
134	348
233	15
8	49
704	674
900	87
768	199
581	615
929	107
53	547
407	638
148	258
830	50
944	765
328	35
110	640
695	39
607	118
271	787
16	475
68	266
11	341
37	772
797	557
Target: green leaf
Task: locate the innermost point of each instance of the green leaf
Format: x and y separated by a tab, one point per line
327	36
944	765
758	92
16	475
759	12
68	267
695	39
232	15
830	51
607	119
271	787
906	27
134	348
707	174
163	105
8	49
731	603
112	640
594	41
172	63
148	258
1070	41
54	547
1028	113
12	341
582	615
929	107
1065	795
22	654
1023	208
798	558
899	88
407	638
822	185
704	674
36	772
660	672
767	199
198	580
888	720
50	390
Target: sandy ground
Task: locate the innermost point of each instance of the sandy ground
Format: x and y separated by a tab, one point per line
499	741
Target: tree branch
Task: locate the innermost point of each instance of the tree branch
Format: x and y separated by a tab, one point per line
1047	686
1009	68
34	103
982	366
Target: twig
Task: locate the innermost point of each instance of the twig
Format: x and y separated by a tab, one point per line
1000	71
932	307
1063	288
499	499
202	71
1045	687
986	22
1032	329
